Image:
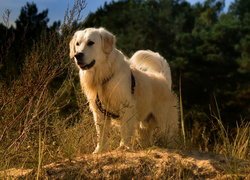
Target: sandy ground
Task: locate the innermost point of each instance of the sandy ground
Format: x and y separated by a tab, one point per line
147	164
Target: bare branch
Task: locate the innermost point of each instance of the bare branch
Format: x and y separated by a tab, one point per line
75	13
6	17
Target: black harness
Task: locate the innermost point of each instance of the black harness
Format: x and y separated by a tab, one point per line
102	108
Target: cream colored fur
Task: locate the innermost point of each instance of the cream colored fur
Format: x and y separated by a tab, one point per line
153	104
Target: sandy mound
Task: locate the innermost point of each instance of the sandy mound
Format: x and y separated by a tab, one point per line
150	164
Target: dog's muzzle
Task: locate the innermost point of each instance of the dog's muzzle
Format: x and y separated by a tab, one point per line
79	59
88	66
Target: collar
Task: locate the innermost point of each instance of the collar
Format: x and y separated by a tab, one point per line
107	79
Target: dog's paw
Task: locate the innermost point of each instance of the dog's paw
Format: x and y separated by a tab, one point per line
124	148
97	150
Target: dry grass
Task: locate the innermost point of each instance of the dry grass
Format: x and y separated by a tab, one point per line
148	164
234	145
33	103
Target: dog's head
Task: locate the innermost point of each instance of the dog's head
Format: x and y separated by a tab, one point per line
90	47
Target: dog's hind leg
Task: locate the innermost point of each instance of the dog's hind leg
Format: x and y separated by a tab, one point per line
145	137
102	125
145	131
167	120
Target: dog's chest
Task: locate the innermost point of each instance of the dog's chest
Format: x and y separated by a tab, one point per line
108	98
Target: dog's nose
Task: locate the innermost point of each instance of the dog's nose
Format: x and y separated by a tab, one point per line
79	56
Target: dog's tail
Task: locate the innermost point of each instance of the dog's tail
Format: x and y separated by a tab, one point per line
149	61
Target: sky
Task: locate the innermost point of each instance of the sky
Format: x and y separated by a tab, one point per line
57	8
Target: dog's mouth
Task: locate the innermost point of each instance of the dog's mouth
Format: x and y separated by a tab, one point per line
87	66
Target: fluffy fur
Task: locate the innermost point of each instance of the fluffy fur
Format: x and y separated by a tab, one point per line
104	71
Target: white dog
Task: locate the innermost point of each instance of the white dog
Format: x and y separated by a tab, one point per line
137	93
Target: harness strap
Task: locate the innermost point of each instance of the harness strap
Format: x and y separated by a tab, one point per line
104	111
132	83
110	114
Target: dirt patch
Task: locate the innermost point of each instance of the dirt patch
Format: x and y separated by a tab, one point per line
150	164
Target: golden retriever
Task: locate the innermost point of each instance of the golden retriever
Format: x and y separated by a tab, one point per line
135	93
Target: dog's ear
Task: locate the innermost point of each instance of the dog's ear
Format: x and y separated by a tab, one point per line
72	47
108	40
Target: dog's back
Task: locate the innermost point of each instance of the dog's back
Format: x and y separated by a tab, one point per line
151	62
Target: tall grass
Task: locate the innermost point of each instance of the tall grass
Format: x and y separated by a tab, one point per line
42	95
236	145
181	115
233	143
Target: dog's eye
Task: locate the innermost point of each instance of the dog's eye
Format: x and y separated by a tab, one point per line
77	43
90	43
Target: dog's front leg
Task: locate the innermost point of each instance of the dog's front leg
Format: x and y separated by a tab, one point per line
127	128
102	125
